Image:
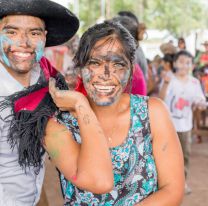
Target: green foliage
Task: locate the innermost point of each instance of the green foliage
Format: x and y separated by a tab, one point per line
122	5
177	16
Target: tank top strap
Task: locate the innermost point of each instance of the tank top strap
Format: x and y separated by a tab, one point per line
140	115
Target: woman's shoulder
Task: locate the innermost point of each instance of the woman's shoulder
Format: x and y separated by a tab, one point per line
159	115
157	107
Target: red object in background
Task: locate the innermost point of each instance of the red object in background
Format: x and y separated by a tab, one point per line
204	58
181	104
204	80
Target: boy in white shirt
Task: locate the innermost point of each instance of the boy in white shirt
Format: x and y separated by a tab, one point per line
181	93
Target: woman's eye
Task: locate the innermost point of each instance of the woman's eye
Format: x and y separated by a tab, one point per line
119	65
95	63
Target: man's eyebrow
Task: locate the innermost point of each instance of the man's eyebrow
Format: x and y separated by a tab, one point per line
37	29
16	28
9	27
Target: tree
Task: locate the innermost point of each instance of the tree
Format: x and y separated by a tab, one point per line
178	16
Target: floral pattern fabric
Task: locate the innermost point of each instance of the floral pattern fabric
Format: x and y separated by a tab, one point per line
135	175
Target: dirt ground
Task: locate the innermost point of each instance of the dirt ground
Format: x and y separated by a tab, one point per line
197	180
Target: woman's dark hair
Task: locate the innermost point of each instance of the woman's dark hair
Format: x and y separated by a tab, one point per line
130	25
100	31
129	14
182	53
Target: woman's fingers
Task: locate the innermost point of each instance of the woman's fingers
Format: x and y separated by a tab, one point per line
52	87
53	90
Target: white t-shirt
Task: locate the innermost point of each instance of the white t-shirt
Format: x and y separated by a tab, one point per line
17	186
179	98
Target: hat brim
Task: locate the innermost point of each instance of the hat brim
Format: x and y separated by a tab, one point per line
61	24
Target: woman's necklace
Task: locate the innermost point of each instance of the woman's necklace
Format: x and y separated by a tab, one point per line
110	136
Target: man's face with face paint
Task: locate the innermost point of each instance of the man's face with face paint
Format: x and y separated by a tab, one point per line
22	42
107	71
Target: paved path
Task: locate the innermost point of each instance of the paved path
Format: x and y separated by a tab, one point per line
198	179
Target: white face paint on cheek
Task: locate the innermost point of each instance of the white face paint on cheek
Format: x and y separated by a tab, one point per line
5	42
39	51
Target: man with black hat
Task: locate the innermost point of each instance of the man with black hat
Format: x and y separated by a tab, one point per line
26	27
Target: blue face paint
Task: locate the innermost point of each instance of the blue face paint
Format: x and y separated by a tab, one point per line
39	51
86	75
4	39
125	79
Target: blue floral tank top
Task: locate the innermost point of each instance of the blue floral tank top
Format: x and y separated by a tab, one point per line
135	175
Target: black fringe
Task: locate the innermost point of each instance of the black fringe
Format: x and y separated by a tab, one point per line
27	128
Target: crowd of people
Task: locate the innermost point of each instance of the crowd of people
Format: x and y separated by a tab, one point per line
92	104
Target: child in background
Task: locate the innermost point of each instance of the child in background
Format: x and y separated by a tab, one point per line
181	93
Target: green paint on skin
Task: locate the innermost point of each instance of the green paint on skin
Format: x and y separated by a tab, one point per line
57	134
54	153
4	39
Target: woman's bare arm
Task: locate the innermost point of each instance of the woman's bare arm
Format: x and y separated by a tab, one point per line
87	165
168	157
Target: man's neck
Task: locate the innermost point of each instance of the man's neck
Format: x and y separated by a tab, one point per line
22	78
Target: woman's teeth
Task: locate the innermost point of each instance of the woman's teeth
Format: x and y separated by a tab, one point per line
106	89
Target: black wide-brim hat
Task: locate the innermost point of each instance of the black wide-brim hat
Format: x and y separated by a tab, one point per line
61	23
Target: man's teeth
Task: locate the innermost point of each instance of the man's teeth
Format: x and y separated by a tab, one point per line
102	88
21	54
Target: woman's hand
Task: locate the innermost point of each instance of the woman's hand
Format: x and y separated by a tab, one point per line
66	100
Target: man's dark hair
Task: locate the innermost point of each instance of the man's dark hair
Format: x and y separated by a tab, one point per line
130	25
100	31
129	14
182	53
